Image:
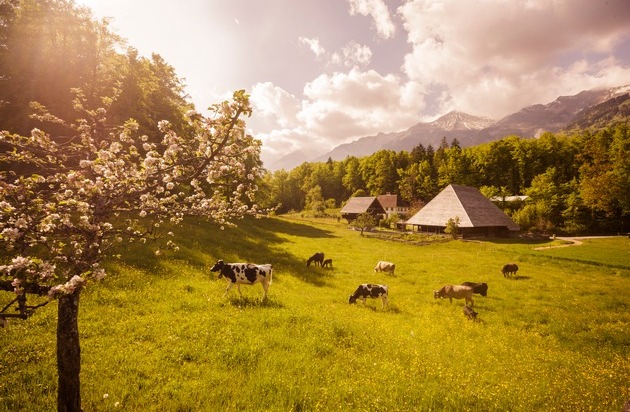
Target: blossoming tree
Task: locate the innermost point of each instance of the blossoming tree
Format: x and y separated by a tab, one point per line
78	196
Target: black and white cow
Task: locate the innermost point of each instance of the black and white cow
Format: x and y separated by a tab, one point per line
246	273
369	290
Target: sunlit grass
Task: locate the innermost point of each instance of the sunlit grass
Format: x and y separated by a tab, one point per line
158	335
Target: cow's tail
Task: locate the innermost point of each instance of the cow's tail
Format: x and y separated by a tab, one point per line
270	274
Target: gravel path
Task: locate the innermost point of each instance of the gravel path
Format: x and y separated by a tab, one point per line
575	241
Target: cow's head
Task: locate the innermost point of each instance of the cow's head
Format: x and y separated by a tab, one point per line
352	299
217	267
436	294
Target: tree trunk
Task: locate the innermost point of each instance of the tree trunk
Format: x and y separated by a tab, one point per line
68	354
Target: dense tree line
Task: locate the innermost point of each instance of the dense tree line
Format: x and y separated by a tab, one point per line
576	183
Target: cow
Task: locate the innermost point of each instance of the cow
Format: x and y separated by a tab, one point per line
244	273
479	288
455	291
470	313
369	290
318	258
383	266
327	263
509	269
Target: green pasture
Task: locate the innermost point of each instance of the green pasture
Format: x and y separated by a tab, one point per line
157	335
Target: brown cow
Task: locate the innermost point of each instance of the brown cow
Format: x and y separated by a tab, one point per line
455	291
318	258
509	269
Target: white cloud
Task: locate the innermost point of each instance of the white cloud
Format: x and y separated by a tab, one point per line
280	142
336	109
494	57
377	9
314	45
275	104
351	55
344	106
356	55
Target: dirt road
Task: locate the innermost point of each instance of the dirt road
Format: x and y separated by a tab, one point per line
575	241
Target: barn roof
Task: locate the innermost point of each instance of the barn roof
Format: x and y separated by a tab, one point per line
389	200
467	203
362	204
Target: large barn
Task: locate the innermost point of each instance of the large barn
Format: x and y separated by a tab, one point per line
362	204
478	216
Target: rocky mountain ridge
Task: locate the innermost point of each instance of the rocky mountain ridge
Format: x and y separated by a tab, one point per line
589	107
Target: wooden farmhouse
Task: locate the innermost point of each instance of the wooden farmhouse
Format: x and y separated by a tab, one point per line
478	216
357	205
392	204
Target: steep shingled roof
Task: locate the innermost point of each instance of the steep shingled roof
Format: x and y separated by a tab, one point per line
361	205
389	201
467	203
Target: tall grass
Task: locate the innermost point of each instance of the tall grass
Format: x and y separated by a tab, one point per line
158	335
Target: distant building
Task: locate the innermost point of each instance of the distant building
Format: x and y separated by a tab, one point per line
358	205
392	204
509	198
478	216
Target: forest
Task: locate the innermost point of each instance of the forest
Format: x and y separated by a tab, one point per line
54	53
576	182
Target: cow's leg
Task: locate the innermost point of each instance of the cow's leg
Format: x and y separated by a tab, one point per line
238	287
265	285
384	302
472	303
450	299
230	284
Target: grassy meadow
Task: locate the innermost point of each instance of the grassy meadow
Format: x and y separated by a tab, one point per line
157	335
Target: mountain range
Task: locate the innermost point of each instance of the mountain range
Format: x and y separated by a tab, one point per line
590	108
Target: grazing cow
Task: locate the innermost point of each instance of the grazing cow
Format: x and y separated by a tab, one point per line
383	266
318	258
369	290
455	291
470	313
509	269
246	273
327	263
479	288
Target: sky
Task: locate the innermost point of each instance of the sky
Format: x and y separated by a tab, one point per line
326	72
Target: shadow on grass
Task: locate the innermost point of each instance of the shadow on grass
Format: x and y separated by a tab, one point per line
377	307
295	229
246	302
492	297
202	243
519	277
517	241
